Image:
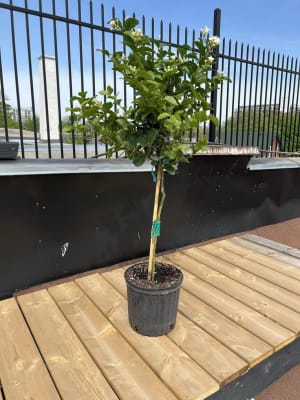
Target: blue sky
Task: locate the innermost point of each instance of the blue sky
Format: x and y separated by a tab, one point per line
270	24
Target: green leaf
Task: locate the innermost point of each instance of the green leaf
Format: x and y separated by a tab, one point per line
130	23
213	119
163	115
104	51
122	122
200	145
138	159
171	100
146	137
201	116
170	169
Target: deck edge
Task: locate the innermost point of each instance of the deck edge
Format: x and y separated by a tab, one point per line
262	375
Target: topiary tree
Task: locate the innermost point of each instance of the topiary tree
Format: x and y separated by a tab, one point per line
171	92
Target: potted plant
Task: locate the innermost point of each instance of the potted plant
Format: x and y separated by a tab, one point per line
171	91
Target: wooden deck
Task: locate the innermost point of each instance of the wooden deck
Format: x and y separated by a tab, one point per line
239	305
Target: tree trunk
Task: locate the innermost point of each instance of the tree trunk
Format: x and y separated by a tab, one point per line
157	209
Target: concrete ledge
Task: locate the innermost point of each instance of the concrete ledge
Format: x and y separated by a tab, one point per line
273	163
77	166
92	165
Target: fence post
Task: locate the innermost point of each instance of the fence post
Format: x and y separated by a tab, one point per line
213	95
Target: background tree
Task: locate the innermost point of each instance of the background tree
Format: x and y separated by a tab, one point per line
5	111
262	127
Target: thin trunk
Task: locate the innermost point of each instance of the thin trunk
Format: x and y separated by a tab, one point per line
159	199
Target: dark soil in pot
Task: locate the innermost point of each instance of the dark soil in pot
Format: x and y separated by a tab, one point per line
152	306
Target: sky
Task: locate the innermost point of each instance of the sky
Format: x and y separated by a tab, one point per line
270	24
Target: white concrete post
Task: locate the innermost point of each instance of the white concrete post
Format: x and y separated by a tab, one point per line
52	96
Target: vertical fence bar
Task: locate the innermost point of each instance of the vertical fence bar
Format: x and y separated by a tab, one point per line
16	78
284	97
214	93
288	135
292	121
255	97
250	97
124	52
57	80
270	139
114	50
297	114
93	65
266	107
103	47
245	93
221	55
70	72
233	92
31	81
279	135
274	136
114	72
239	96
45	80
3	100
227	91
81	68
177	40
261	106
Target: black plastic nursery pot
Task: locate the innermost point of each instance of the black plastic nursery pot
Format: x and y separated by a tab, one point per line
152	306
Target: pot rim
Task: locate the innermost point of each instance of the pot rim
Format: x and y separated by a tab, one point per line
153	290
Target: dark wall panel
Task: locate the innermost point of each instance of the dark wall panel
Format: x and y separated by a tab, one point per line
52	226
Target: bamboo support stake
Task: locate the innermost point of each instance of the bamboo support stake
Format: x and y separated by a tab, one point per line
154	219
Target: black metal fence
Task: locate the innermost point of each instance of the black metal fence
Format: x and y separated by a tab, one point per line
48	53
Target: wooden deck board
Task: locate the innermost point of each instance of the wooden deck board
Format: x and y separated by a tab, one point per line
237	339
263	271
281	262
26	373
205	350
209	259
75	373
264	307
117	360
255	322
239	308
177	371
267	243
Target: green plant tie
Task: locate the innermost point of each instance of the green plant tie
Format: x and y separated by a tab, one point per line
153	175
155	231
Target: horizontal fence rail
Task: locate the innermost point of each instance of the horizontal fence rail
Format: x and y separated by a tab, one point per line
49	51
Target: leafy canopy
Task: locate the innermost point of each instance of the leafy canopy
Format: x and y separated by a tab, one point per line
170	97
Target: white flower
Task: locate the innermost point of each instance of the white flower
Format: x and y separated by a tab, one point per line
210	60
132	69
204	31
214	41
137	34
113	24
221	74
97	103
